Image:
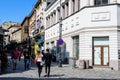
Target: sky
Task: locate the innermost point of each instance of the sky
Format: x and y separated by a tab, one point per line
15	10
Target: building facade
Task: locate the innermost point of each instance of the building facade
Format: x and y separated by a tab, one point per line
24	24
90	31
12	29
5	26
17	35
39	28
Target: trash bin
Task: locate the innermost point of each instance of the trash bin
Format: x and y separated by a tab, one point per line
86	64
72	62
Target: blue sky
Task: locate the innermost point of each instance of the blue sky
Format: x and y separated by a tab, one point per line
15	10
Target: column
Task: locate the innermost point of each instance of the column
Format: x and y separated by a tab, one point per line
76	5
88	2
65	10
49	21
70	7
46	22
57	17
61	11
92	2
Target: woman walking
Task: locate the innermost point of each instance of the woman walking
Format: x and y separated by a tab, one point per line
15	56
39	62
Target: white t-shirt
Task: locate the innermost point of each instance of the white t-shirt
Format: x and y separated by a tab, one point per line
39	60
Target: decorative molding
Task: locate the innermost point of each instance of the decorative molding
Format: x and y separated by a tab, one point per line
100	16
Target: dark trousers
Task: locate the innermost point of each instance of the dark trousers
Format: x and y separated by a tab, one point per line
47	69
26	63
39	68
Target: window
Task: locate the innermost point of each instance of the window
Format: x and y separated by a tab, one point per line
76	47
101	2
38	23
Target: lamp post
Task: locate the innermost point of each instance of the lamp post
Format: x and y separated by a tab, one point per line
60	41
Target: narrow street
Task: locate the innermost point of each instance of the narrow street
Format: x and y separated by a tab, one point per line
57	73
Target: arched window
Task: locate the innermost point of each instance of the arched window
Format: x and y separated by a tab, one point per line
101	2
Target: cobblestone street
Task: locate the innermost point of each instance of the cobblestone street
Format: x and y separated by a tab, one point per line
57	73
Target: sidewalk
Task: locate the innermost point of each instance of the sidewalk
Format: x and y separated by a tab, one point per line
57	73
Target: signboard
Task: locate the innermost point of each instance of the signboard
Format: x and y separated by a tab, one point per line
60	42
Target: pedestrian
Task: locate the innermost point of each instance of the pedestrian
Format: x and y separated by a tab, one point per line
48	60
39	62
15	56
26	55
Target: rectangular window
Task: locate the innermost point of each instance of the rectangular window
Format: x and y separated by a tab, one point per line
101	2
76	47
38	23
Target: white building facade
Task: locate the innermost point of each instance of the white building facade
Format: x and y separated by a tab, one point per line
90	30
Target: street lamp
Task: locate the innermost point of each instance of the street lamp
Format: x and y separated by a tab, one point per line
60	41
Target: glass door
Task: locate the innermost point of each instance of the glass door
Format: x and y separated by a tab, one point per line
101	55
97	55
105	55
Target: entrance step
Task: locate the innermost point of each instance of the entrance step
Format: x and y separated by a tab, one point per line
102	68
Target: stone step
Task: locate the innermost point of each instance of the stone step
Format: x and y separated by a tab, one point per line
102	68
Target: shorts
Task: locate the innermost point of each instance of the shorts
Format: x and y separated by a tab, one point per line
14	60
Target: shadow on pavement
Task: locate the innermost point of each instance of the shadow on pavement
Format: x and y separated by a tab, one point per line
23	78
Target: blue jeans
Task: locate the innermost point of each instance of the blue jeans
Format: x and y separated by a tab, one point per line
26	63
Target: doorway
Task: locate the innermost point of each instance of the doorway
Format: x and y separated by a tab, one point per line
101	55
101	51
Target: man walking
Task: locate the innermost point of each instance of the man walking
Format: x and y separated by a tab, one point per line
26	59
48	60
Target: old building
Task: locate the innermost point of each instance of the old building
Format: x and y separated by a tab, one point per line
37	18
5	26
14	33
90	31
24	27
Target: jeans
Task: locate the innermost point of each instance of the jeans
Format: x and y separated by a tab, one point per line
26	63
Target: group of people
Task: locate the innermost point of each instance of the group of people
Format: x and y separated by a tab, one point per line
41	59
16	56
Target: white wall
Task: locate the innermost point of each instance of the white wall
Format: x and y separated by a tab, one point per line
87	18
